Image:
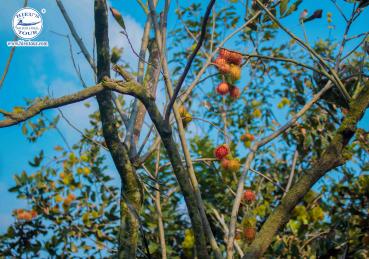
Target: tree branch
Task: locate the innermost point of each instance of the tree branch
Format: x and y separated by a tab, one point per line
190	59
76	36
333	156
198	227
339	83
131	188
13	118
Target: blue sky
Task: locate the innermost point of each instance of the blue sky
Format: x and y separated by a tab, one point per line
33	70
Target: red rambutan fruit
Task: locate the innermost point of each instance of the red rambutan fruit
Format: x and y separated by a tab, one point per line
235	58
224	53
221	151
249	233
222	88
235	92
231	56
224	163
222	65
249	196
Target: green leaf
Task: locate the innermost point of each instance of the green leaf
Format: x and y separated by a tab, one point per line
14	189
37	160
24	129
283	7
153	247
293	8
118	17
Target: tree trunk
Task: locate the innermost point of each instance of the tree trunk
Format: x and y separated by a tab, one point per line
131	197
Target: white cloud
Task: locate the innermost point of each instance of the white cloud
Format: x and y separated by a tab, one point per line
64	79
81	13
117	39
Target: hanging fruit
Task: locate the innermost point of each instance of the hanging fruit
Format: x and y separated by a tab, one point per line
235	72
249	233
221	151
234	165
232	57
222	65
249	196
235	92
223	88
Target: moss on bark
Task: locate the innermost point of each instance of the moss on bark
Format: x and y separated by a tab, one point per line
131	197
333	156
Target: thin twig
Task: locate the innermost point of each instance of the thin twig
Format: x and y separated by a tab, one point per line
190	59
224	132
354	49
77	70
10	56
268	178
339	10
158	208
284	60
220	219
145	140
338	82
79	131
75	35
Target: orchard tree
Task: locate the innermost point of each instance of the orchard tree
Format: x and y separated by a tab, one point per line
255	152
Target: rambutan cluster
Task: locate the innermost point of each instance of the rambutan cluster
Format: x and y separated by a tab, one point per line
227	162
249	219
229	64
224	88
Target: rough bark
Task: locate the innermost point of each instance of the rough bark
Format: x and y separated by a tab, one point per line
131	200
333	156
180	171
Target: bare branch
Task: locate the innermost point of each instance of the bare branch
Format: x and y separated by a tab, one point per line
10	56
220	219
268	178
158	208
80	131
204	230
76	36
339	83
129	88
190	59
